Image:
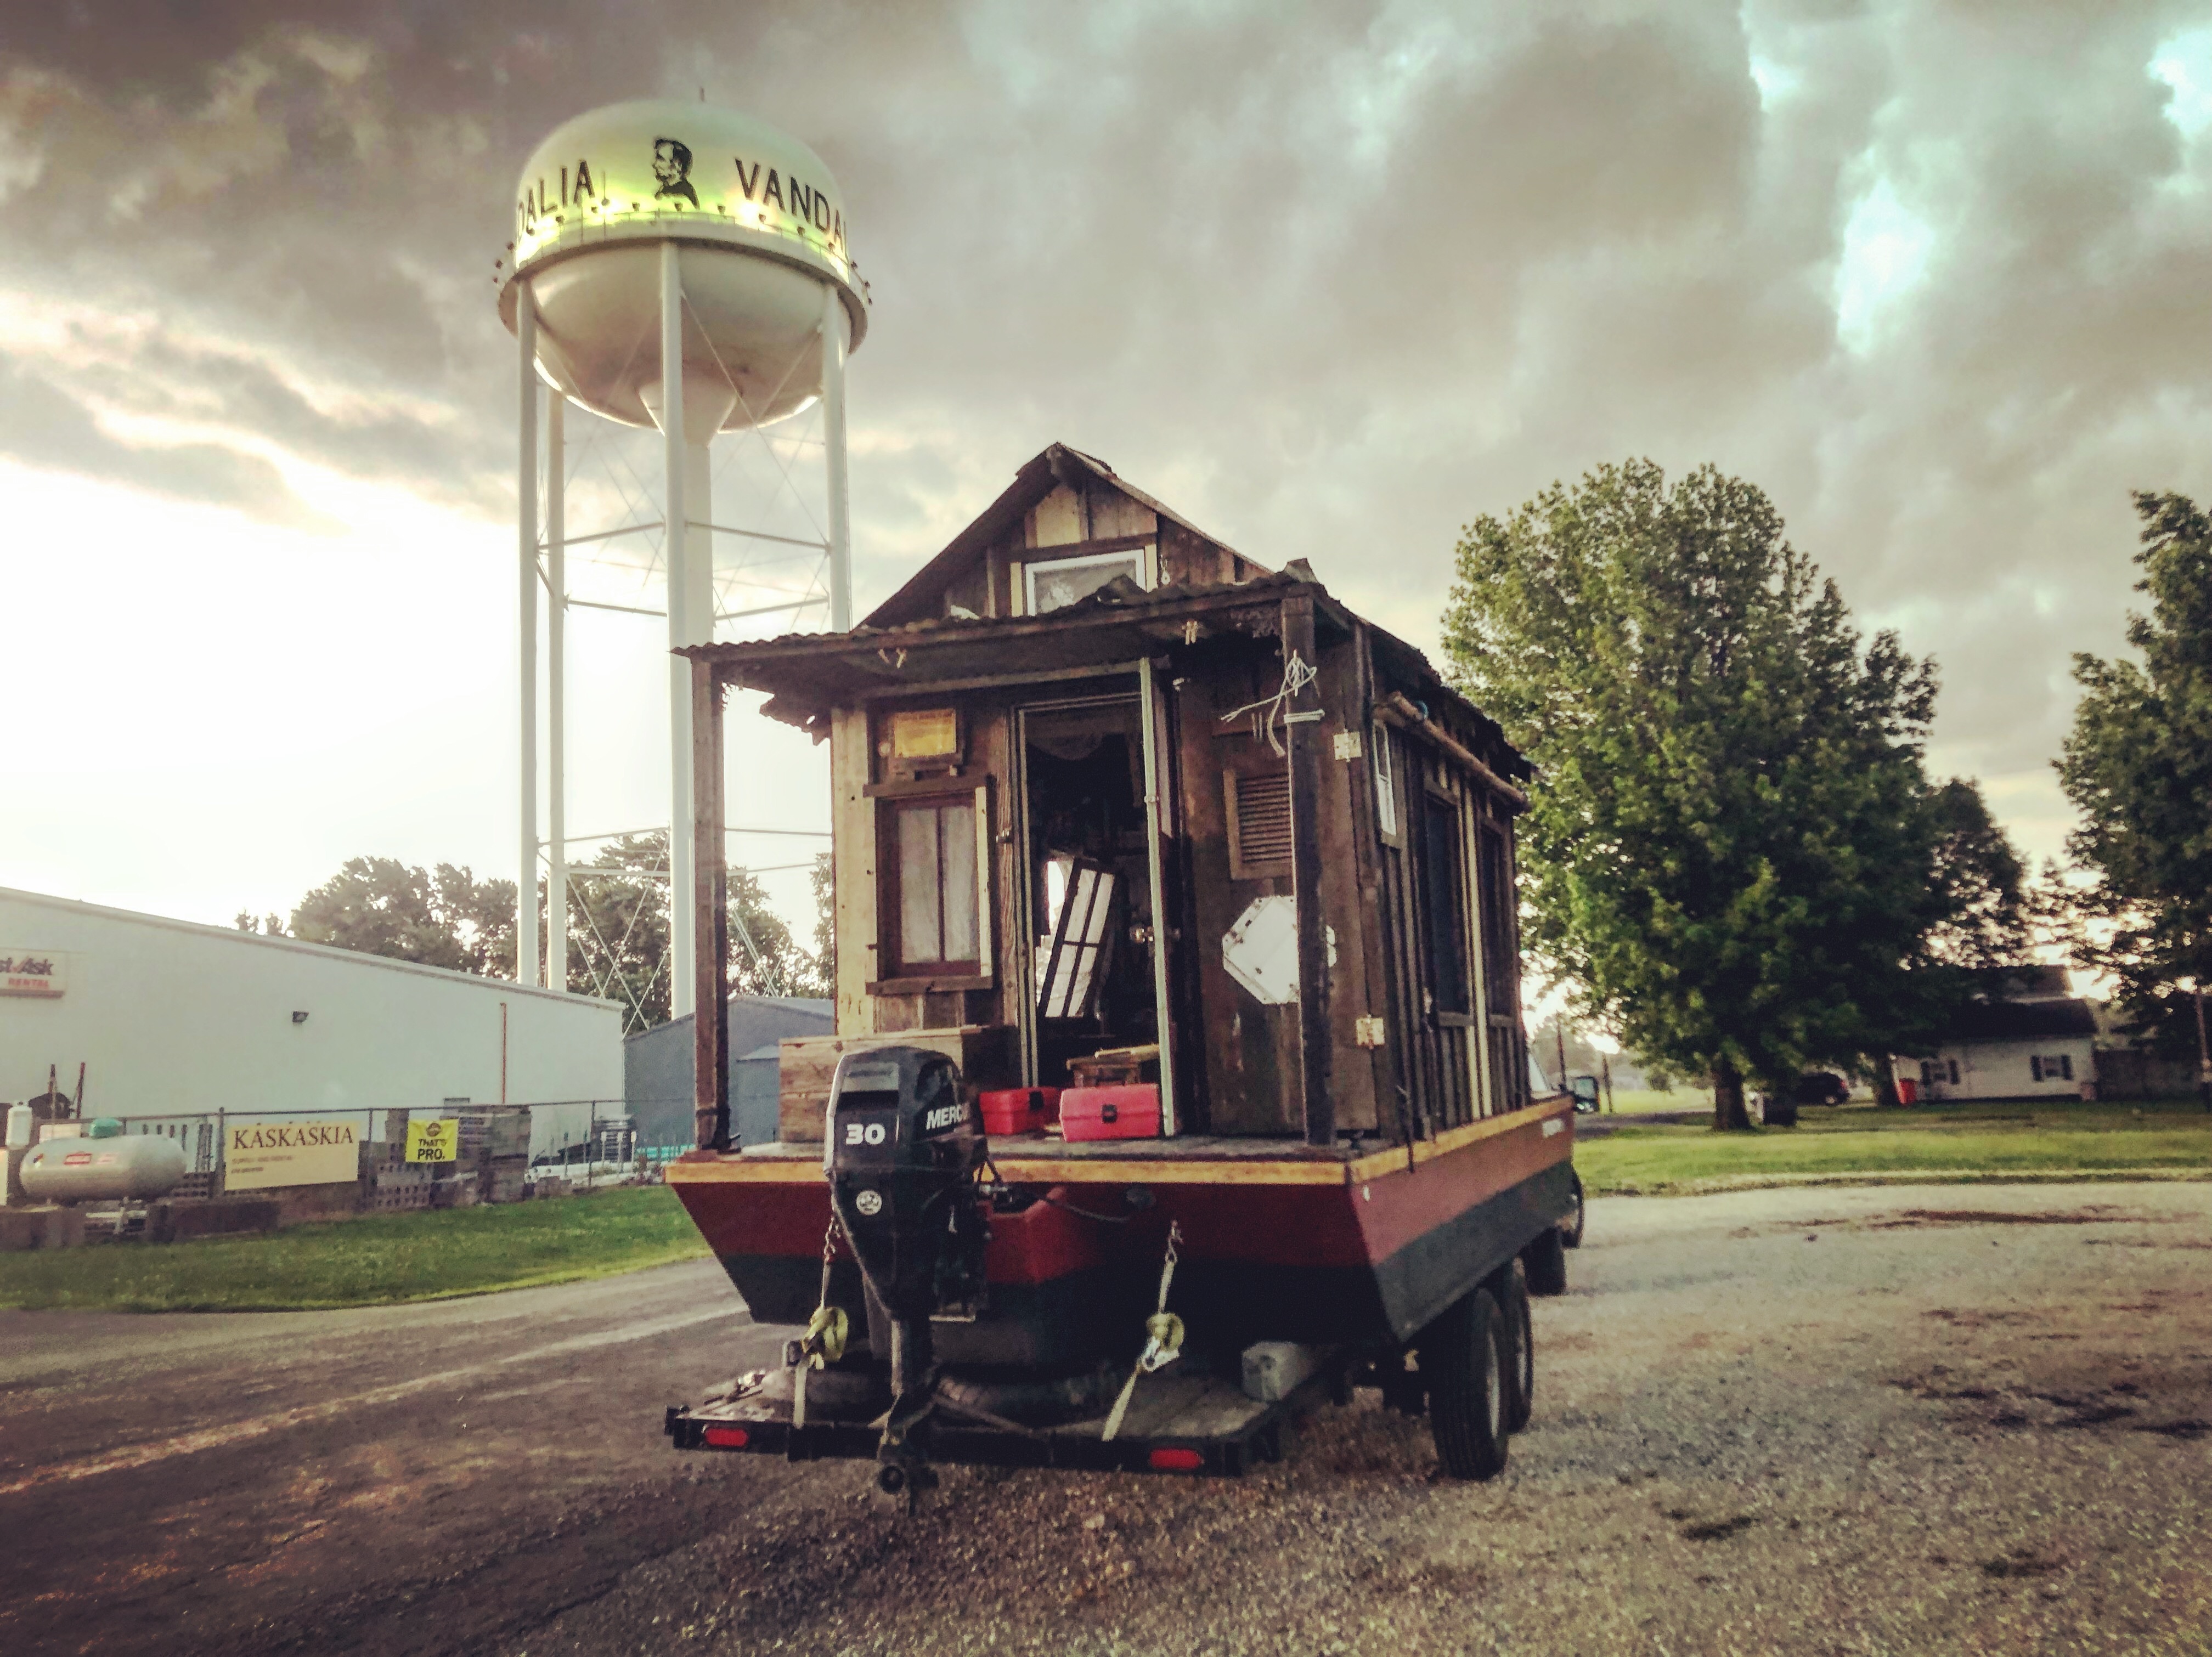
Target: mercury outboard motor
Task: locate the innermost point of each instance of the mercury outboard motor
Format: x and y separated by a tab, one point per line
905	1143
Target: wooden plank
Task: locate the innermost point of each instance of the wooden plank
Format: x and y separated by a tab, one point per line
995	681
1382	1164
1056	521
1318	1105
1388	1098
710	917
1210	1160
1347	902
806	1066
853	857
1241	1055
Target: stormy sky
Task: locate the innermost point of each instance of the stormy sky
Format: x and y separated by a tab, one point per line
1332	280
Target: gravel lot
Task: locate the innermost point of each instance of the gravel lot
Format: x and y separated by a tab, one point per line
1934	1419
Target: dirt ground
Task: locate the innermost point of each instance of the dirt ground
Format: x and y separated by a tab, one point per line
1955	1419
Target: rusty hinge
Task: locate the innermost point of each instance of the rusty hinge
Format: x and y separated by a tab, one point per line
1367	1032
1347	745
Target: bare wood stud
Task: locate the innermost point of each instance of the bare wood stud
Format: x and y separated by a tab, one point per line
710	1070
1318	1103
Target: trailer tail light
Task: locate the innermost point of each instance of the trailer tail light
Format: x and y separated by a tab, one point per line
1174	1460
728	1438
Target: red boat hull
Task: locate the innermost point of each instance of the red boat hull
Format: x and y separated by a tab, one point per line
1366	1249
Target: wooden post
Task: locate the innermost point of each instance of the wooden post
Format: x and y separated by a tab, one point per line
1302	725
710	918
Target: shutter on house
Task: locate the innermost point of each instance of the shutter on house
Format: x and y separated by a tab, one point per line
1259	825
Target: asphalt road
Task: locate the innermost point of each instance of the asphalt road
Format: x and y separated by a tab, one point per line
1957	1419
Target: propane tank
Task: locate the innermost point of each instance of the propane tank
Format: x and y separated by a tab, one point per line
103	1169
19	1118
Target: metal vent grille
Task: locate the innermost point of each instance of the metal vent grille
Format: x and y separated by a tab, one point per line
1259	825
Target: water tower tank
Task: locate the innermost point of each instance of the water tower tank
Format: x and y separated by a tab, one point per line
761	225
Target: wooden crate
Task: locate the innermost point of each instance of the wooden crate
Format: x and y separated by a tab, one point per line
806	1064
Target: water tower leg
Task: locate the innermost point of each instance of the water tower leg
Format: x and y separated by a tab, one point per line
676	538
556	691
835	327
525	885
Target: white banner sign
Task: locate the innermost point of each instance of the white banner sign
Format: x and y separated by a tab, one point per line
33	972
258	1154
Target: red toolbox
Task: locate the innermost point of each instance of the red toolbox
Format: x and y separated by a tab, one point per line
1131	1111
1009	1111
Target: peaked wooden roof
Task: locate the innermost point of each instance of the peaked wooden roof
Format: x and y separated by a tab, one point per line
923	595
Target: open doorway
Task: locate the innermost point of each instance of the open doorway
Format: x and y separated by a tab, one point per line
1089	899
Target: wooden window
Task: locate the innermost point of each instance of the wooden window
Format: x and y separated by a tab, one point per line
934	849
1069	977
1386	783
1497	920
2051	1067
1259	825
1056	583
1443	904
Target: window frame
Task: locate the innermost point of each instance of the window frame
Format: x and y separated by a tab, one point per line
901	976
1148	570
1445	901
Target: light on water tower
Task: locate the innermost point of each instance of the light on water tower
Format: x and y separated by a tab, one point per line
684	268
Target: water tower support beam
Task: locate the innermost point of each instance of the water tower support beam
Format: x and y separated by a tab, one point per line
675	538
526	887
836	327
556	691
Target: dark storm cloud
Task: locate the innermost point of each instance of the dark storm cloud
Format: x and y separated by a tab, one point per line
1334	278
42	426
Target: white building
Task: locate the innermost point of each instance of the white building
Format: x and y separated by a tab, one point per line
171	1018
2026	1036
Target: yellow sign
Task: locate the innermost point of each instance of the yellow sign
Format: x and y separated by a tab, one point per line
258	1154
439	1141
925	733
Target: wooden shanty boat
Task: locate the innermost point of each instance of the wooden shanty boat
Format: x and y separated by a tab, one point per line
1115	806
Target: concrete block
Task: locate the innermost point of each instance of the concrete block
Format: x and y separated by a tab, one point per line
48	1226
176	1221
1273	1369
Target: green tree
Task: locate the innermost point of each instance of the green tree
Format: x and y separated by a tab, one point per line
618	930
1732	845
441	917
2138	766
824	880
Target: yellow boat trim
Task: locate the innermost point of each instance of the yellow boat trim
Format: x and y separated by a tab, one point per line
1379	1164
1048	1170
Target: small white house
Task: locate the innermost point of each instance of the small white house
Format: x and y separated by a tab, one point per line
2026	1037
170	1017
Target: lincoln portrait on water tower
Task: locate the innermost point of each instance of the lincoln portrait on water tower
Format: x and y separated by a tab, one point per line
671	165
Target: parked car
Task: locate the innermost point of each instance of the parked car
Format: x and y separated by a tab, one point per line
1820	1087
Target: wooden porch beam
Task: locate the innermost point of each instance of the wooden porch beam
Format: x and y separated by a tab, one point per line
710	916
1302	725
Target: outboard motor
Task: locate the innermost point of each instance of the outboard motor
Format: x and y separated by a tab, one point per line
905	1142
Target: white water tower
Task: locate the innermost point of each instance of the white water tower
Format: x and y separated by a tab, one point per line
679	266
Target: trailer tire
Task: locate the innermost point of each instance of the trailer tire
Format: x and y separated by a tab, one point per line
1571	1228
1464	1360
1518	1329
1547	1261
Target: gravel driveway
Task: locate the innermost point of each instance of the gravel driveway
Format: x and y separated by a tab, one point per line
1912	1420
1947	1419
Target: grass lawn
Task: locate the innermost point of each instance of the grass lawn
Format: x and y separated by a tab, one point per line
1649	1102
373	1260
1990	1140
